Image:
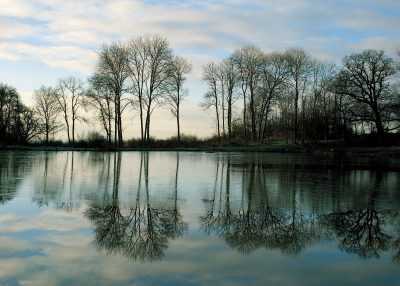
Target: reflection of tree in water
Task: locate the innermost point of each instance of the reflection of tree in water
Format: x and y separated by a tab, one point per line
395	245
363	231
13	167
255	224
54	181
141	232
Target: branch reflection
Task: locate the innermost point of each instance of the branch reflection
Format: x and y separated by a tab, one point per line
276	211
141	231
13	167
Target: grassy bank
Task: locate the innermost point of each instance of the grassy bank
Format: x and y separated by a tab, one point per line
273	147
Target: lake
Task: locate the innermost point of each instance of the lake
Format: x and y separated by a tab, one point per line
195	218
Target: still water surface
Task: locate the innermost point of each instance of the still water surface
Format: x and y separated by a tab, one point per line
166	218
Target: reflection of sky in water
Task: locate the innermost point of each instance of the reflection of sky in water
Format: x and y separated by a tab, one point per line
55	244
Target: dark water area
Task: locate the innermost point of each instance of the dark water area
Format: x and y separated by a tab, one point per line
182	218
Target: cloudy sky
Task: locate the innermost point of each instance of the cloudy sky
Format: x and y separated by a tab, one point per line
44	40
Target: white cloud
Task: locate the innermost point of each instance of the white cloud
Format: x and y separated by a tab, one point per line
66	56
391	46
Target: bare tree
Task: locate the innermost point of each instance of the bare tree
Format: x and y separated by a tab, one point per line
179	68
211	98
238	59
248	60
299	70
274	73
365	78
30	128
322	99
159	58
69	96
8	101
138	73
100	98
47	110
231	76
149	60
113	64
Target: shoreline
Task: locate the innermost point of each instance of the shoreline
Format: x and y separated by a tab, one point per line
393	151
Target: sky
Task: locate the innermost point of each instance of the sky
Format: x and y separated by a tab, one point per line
42	41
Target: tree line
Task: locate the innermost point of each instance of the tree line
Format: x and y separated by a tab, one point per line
294	96
142	73
255	95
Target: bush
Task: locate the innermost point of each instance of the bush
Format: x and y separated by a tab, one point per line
187	141
93	140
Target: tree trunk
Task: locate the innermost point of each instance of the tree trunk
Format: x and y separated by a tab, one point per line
378	124
47	133
177	123
67	123
73	132
229	118
252	115
141	118
147	125
218	131
244	115
115	124
109	125
223	109
296	102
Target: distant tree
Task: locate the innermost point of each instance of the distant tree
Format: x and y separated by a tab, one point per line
138	73
30	128
365	78
149	63
321	101
238	59
179	68
99	97
113	68
9	101
248	61
231	76
300	65
18	123
274	73
211	98
47	110
69	97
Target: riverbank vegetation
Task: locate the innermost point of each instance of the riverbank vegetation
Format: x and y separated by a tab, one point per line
257	97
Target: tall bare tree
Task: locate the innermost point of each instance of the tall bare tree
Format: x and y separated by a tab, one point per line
138	73
231	76
69	96
248	60
299	69
149	60
322	99
8	101
179	68
100	98
211	98
159	58
113	66
30	128
274	73
47	110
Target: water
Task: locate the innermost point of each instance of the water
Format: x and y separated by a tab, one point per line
167	218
